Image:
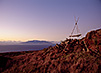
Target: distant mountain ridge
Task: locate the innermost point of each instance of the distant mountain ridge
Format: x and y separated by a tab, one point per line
37	42
31	42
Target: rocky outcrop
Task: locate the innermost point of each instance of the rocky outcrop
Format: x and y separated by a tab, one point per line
70	56
93	40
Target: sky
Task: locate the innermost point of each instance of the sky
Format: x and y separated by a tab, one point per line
51	20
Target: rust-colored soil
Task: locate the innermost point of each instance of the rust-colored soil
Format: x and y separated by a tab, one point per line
70	56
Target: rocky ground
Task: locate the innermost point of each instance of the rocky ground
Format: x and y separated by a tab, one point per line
70	56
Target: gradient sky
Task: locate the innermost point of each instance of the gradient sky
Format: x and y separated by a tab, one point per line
51	20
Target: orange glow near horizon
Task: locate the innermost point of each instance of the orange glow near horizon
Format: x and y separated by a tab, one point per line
46	20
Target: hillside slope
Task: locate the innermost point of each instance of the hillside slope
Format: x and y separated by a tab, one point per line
70	56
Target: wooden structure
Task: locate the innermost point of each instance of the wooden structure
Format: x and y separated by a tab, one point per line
75	27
